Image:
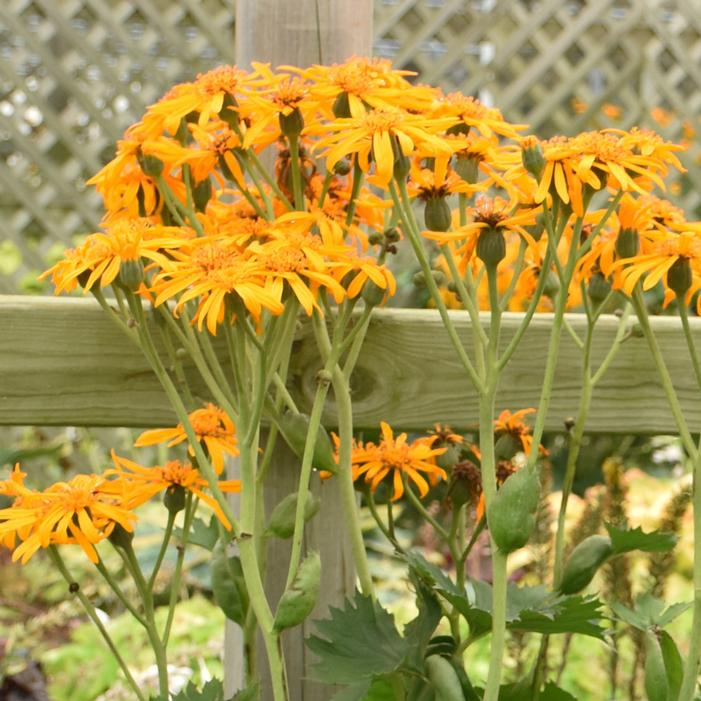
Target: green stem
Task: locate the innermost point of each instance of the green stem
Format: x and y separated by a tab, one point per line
92	614
386	531
425	515
252	156
496	658
297	189
665	379
411	229
348	494
251	569
190	510
102	569
691	668
162	551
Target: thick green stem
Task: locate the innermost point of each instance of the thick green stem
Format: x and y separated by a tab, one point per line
665	379
251	570
691	668
345	477
92	614
497	642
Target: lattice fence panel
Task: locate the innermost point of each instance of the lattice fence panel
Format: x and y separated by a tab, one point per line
75	73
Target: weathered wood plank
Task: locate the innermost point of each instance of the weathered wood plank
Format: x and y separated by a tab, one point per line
63	362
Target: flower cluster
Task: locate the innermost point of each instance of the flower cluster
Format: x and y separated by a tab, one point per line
88	508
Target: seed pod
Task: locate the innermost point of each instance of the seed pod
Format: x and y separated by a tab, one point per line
228	587
294	430
506	446
282	520
511	515
437	215
583	563
342	167
491	246
443	678
656	683
298	601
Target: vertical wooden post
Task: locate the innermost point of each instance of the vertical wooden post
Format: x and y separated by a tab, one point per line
300	33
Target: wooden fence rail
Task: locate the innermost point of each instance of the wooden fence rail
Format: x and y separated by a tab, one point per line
63	362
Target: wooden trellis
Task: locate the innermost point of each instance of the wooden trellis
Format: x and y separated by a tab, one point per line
75	73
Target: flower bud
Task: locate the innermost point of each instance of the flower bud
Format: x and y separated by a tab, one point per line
201	194
552	284
627	243
402	165
229	112
373	294
120	537
150	165
532	157
506	446
437	214
598	288
679	277
392	234
291	124
467	168
342	167
491	246
131	274
174	498
375	238
341	106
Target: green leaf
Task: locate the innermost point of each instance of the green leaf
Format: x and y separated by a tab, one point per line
213	690
529	609
648	611
202	534
359	642
250	693
623	540
419	631
228	586
673	663
355	692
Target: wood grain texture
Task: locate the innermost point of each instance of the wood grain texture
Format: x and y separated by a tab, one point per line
300	33
63	362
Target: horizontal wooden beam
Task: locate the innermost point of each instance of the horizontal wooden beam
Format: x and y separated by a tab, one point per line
63	362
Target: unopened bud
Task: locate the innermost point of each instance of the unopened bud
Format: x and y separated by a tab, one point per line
532	157
342	167
437	214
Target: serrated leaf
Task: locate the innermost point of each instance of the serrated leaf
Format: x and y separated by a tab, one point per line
529	609
552	692
250	693
624	540
213	690
648	611
358	642
202	534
